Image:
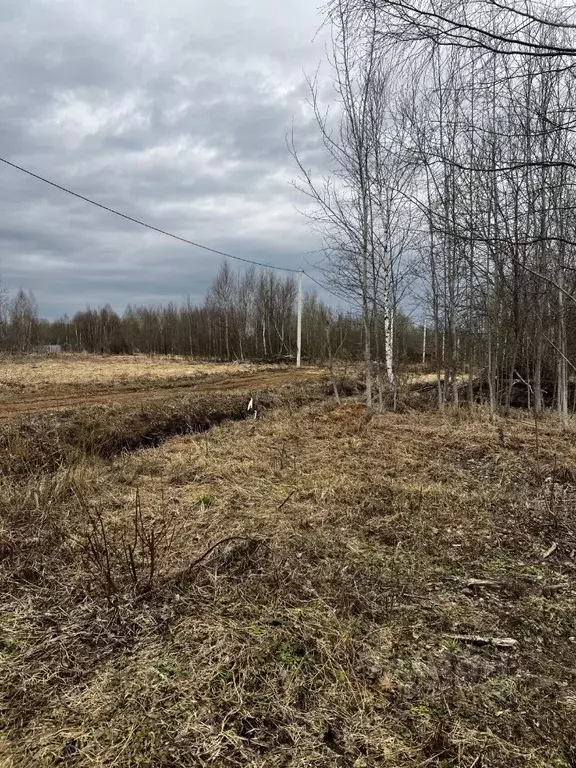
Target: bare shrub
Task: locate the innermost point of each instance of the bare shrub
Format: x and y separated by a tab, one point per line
129	558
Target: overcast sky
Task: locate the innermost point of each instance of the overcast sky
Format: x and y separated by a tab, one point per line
172	111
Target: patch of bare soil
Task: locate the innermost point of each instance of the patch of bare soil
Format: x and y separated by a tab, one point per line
55	396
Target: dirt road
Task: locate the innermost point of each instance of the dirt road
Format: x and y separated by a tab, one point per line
54	397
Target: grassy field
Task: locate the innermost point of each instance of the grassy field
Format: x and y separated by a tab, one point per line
57	370
39	384
318	587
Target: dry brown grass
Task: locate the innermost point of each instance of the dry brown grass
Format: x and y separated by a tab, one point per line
36	384
35	371
321	629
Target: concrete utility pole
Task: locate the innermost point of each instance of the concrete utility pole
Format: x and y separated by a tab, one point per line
299	325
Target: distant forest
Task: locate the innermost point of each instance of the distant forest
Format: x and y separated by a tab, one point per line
243	317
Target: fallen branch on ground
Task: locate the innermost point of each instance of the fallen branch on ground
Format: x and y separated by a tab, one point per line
550	551
496	642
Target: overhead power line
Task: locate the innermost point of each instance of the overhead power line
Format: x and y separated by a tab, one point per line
165	232
325	288
143	223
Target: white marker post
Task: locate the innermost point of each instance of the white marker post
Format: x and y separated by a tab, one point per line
299	323
424	346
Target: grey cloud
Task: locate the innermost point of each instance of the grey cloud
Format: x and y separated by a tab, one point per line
173	113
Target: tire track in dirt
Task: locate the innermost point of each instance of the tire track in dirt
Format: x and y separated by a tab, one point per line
39	403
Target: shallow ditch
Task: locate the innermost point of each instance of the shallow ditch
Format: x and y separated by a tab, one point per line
49	442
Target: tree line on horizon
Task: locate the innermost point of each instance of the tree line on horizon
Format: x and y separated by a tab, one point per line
244	316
